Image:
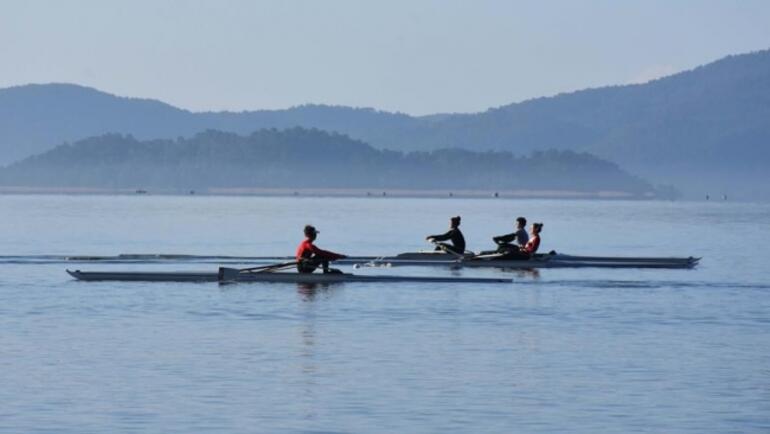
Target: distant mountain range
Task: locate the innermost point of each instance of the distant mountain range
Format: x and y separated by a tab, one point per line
301	158
705	130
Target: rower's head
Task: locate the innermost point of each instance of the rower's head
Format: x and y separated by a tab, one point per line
536	228
454	221
310	232
521	222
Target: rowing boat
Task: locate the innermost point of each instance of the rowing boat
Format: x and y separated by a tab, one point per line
282	277
441	256
523	264
538	261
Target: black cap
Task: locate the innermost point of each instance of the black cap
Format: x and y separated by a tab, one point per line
310	229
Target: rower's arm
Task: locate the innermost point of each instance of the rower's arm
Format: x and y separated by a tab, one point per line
502	239
326	254
442	237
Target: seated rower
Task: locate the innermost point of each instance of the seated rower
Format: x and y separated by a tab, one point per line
309	257
529	249
515	240
454	235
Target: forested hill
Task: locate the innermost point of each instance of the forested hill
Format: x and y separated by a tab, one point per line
37	117
302	158
704	130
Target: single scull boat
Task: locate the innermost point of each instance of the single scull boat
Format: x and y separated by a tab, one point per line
195	276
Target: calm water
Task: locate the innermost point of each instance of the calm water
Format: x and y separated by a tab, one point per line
581	350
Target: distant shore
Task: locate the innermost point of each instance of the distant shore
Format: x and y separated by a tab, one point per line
331	192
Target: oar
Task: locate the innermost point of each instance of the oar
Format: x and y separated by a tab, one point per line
227	274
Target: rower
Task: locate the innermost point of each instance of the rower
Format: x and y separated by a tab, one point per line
529	249
454	235
309	257
515	240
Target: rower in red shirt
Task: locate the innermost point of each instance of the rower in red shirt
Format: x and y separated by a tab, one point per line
528	250
534	240
309	257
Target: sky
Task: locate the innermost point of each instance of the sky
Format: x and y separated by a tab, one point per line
411	56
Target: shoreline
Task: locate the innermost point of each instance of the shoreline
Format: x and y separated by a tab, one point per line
335	192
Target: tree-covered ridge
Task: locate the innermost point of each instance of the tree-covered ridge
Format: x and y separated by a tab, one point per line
703	130
306	158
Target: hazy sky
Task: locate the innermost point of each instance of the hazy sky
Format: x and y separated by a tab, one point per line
411	56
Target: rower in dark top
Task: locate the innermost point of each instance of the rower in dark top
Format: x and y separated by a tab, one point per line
515	240
528	250
454	235
309	257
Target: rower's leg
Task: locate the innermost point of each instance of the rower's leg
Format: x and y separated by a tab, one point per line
306	266
516	255
451	249
328	270
443	247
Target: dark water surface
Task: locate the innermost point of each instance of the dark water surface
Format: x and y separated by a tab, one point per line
580	350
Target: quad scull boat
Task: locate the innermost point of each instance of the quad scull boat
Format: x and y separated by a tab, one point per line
554	260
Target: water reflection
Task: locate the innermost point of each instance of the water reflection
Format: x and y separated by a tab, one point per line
309	291
533	273
308	363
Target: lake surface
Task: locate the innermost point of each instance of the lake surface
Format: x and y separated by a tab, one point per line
562	350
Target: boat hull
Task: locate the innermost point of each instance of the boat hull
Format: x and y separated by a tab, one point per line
192	276
539	261
528	264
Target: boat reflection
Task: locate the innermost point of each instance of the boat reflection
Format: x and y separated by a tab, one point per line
533	273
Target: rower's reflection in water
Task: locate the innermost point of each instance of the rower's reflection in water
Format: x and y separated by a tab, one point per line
308	365
307	350
309	291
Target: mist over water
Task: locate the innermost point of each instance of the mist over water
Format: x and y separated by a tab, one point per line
578	350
